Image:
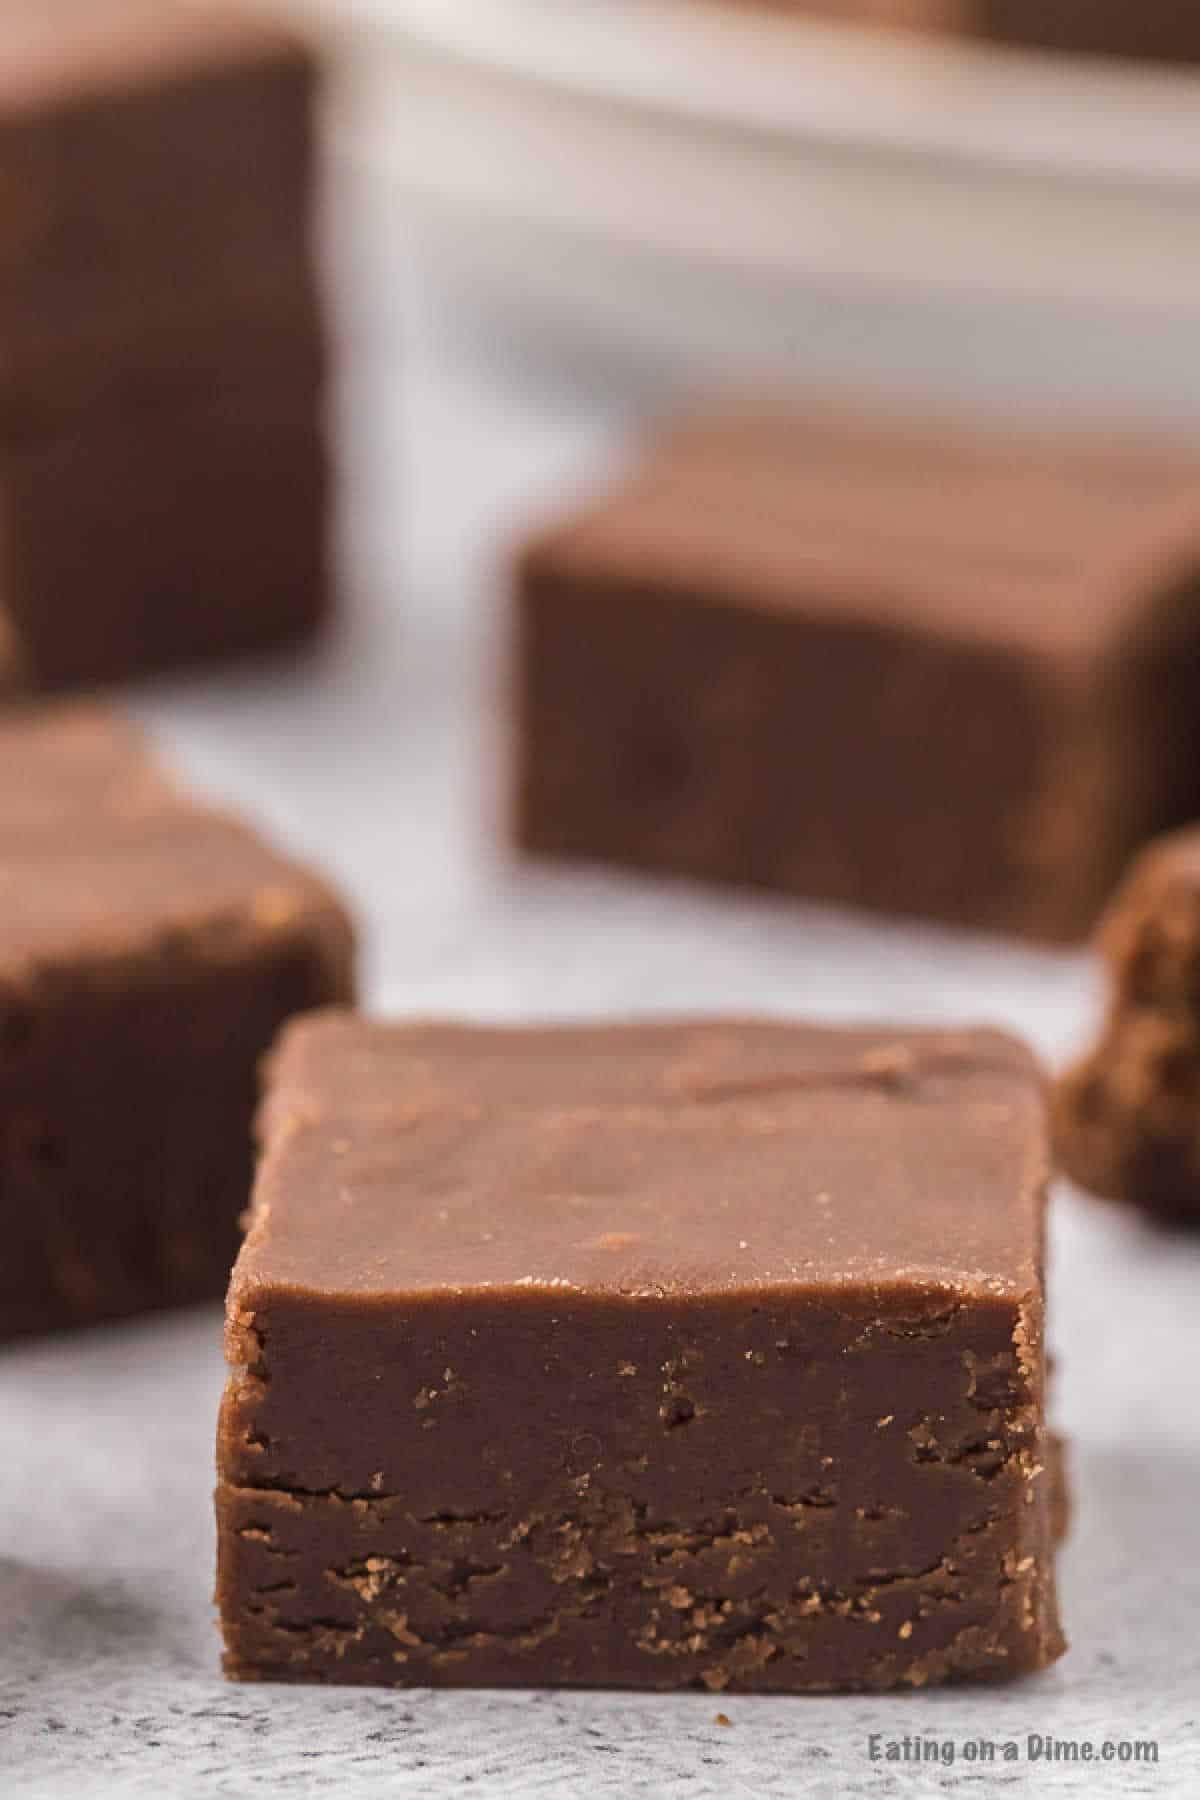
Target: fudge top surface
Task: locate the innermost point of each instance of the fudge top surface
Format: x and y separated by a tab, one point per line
1065	545
74	771
645	1160
102	856
53	51
192	880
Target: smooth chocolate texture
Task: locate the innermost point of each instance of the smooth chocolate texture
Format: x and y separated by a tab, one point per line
661	1355
150	949
915	668
1127	1114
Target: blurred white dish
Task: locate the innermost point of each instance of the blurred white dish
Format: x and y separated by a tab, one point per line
789	146
691	174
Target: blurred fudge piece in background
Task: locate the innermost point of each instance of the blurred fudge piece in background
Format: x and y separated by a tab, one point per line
163	475
907	15
1162	30
1127	1115
150	949
898	665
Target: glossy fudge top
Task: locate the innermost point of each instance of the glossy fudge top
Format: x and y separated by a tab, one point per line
1053	544
645	1160
54	50
103	857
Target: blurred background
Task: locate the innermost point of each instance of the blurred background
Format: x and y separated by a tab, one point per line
544	225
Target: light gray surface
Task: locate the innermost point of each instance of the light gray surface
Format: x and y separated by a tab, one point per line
383	757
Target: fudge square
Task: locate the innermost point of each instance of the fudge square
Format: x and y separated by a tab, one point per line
162	348
150	949
904	667
1127	1115
156	162
197	489
659	1355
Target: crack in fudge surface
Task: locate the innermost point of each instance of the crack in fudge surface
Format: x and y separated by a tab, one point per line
702	1353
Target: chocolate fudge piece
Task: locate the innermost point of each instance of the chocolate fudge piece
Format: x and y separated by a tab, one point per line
914	668
162	350
155	160
1165	30
272	348
660	1355
1127	1115
198	529
150	949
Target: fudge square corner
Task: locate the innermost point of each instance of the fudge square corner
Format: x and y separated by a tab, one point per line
666	1355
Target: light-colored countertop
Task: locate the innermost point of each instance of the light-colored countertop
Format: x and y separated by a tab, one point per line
384	758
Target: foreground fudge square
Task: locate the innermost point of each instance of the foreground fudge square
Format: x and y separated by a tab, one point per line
150	949
668	1355
904	667
1127	1115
